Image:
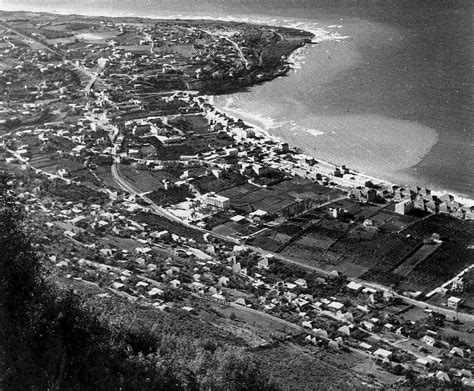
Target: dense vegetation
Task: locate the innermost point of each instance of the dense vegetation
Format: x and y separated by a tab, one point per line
51	339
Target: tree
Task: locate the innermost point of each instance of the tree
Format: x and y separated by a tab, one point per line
53	339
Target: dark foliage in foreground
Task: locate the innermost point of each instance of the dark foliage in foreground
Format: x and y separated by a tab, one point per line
52	340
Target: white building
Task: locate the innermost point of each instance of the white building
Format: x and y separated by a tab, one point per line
454	302
212	199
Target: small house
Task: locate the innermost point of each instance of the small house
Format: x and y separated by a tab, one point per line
430	341
454	302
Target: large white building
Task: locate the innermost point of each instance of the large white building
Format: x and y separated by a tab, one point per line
216	200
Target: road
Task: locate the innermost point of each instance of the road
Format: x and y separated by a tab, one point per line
241	53
92	80
160	211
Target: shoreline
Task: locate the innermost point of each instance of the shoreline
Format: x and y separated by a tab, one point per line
293	60
463	200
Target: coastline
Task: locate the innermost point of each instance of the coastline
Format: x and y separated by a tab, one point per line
295	57
466	201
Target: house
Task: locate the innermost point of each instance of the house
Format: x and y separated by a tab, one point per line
244	133
454	302
442	376
241	301
197	286
162	235
117	285
260	170
307	324
369	326
238	219
301	283
365	346
188	309
337	212
422	362
263	263
368	223
344	330
231	152
388	295
437	360
348	317
141	284
258	215
300	302
455	351
335	306
290	296
465	373
321	333
175	283
218	297
354	286
403	207
363	308
430	341
155	292
223	281
382	353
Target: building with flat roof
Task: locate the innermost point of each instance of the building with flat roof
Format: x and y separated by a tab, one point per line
404	206
212	199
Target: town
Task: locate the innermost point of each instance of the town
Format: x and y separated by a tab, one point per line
136	187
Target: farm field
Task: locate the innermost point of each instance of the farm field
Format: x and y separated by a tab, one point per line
303	188
274	199
249	198
416	258
103	172
145	180
234	229
452	257
210	183
377	255
309	369
160	224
